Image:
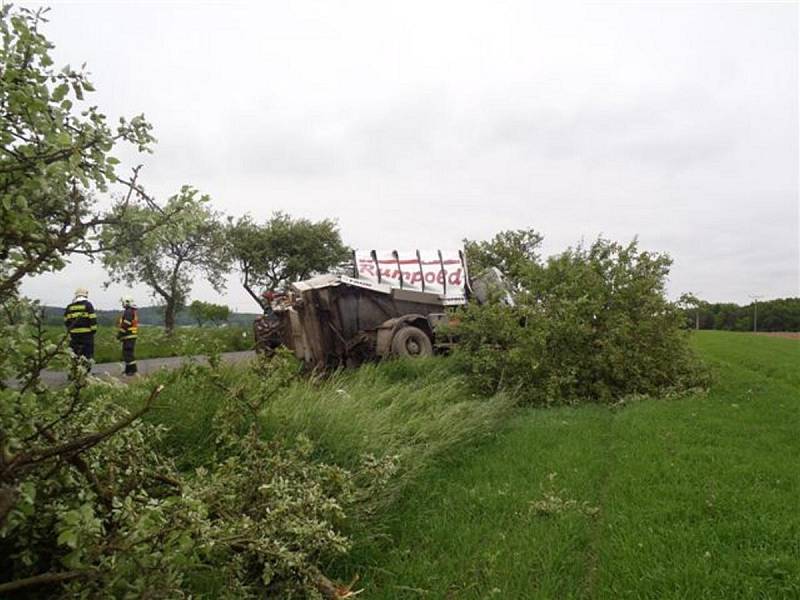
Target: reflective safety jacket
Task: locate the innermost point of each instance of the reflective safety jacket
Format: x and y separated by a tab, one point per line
128	324
79	317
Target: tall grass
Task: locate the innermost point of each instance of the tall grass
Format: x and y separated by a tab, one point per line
415	410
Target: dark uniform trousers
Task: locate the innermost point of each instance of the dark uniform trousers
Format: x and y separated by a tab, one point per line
128	330
128	348
82	344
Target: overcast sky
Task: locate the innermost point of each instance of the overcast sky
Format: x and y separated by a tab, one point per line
416	124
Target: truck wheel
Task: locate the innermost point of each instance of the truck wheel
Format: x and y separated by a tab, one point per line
411	341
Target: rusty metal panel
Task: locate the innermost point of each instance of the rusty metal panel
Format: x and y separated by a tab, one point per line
328	321
415	296
314	324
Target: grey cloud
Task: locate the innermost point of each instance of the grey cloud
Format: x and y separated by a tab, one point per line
677	123
667	131
287	154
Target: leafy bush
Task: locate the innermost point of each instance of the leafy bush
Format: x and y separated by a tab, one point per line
84	495
92	506
512	251
591	324
290	470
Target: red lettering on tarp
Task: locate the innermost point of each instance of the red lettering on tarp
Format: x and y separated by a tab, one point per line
426	270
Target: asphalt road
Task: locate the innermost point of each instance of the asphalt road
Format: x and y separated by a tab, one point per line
146	366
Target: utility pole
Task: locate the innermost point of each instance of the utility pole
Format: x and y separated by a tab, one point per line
755	312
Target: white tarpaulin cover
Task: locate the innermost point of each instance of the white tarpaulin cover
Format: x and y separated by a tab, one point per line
441	272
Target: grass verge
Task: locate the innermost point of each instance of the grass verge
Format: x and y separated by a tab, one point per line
688	498
153	342
416	411
693	497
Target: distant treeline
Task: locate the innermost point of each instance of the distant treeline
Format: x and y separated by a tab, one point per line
782	314
148	315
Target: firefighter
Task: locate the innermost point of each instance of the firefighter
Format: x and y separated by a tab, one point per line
81	323
127	330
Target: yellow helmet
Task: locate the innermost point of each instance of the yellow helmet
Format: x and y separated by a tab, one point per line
81	291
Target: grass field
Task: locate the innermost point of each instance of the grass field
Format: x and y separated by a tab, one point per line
154	343
693	497
690	498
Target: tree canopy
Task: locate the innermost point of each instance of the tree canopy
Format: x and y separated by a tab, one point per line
167	258
283	250
208	312
514	252
55	154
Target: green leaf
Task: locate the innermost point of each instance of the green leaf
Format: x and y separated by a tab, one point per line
69	538
59	93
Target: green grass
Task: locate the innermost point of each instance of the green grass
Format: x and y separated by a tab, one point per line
409	408
154	343
415	410
694	498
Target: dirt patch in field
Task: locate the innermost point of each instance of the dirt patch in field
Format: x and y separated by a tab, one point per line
795	335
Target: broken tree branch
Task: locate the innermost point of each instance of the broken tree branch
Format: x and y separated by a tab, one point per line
78	445
41	580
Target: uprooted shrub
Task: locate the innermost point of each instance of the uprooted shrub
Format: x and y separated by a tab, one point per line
90	506
590	324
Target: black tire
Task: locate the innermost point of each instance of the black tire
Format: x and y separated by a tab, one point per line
411	341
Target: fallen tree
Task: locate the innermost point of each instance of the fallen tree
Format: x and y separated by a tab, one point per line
591	324
89	504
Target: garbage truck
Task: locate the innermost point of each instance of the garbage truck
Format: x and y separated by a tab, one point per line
390	303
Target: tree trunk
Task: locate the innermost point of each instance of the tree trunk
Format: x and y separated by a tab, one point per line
169	316
246	284
262	303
